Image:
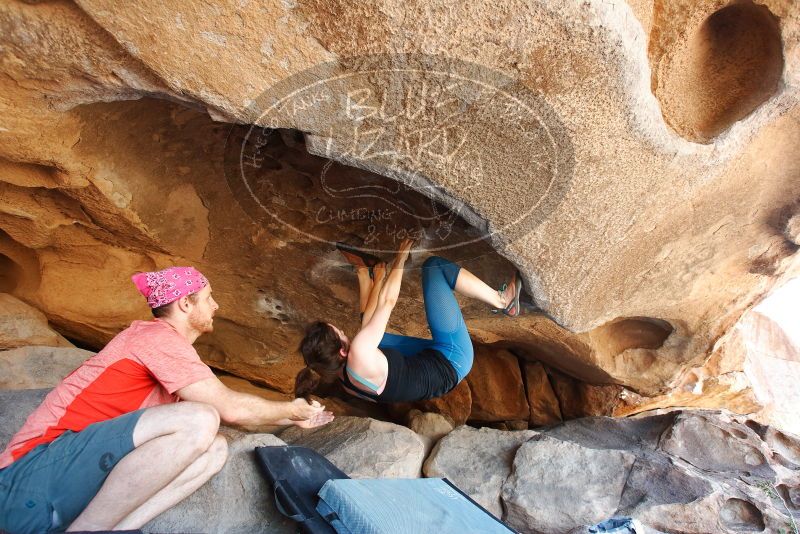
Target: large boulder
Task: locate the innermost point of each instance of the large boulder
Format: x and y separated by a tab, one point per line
21	324
39	367
363	447
718	446
556	485
238	499
478	461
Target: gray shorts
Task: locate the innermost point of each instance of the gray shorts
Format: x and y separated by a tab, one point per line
46	489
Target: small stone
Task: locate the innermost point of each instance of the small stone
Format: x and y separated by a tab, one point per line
430	427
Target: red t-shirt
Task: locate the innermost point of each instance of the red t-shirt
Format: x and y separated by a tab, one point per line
143	366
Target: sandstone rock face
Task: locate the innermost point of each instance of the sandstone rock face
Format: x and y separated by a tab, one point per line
364	448
579	399
237	499
657	175
499	397
477	461
543	403
38	367
753	369
456	405
495	382
723	63
22	325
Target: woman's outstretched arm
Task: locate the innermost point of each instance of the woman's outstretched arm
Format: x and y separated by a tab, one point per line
364	288
374	327
379	273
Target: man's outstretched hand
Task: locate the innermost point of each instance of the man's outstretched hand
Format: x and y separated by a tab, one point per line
322	418
309	415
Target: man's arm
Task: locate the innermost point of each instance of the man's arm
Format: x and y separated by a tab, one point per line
244	409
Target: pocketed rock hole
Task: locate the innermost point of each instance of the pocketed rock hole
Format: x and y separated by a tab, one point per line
738	433
741	516
632	332
730	65
786	449
10	273
790	496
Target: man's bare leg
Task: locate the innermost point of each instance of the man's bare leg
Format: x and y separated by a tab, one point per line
198	473
167	440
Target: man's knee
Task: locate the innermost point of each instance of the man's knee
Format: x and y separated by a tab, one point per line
204	416
198	421
201	422
219	453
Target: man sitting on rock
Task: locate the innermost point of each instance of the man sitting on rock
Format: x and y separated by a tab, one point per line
111	447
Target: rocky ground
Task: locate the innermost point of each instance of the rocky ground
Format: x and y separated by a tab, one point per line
687	471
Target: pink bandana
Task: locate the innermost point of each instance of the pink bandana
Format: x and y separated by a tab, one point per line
162	287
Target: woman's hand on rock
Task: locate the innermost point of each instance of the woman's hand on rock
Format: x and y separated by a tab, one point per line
402	253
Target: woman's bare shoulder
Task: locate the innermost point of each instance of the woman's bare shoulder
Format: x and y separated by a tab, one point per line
367	361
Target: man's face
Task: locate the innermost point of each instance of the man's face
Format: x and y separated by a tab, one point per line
201	317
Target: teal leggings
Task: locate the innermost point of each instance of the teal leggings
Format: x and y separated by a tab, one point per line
450	336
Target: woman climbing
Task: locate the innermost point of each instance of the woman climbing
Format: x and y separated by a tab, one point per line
385	367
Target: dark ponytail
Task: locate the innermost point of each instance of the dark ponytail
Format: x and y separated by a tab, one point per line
306	382
320	349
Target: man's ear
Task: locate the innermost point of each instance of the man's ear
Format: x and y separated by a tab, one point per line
184	305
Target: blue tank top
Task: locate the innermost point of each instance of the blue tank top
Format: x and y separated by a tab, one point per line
424	375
